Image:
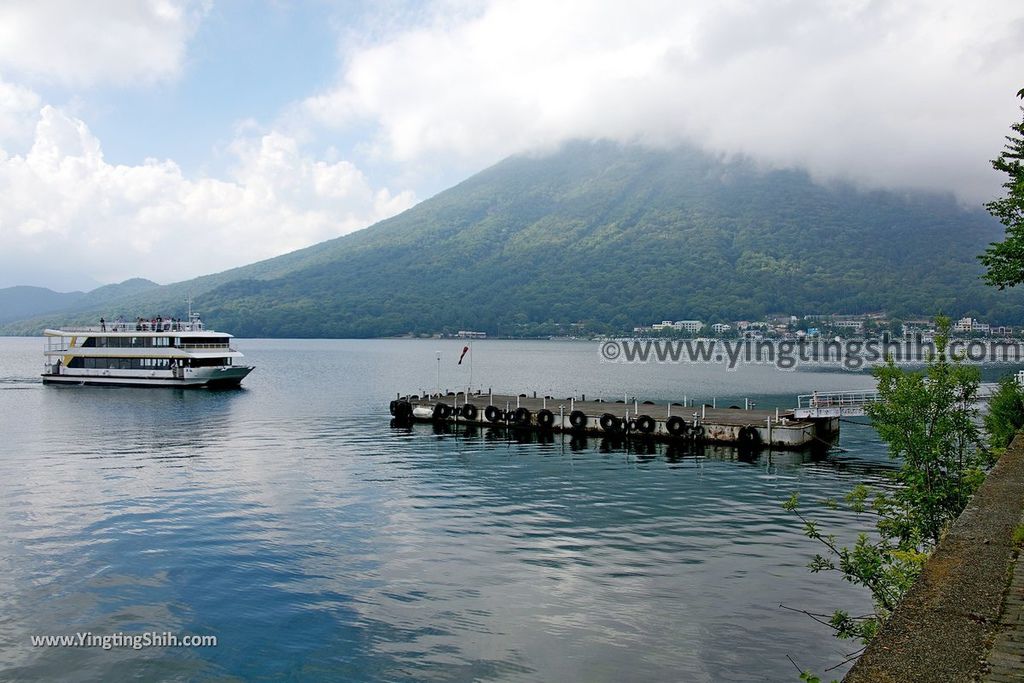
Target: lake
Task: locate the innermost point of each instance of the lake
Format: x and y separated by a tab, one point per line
316	542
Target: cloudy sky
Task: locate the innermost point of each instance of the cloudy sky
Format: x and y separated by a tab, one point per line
169	139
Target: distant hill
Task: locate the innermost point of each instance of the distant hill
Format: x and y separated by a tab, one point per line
18	303
611	236
24	302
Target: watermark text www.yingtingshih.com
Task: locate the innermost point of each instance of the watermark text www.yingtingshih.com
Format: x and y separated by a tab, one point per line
134	641
851	354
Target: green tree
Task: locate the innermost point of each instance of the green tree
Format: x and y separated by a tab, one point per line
928	421
1005	415
1004	260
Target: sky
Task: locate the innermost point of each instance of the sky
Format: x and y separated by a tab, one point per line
168	139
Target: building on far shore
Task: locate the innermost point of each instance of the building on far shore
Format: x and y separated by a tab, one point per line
682	325
469	334
969	325
853	325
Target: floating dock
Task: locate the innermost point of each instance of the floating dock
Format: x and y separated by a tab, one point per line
745	427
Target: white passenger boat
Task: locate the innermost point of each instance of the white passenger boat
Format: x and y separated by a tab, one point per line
165	353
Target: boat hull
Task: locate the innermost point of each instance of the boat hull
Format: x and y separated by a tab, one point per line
214	378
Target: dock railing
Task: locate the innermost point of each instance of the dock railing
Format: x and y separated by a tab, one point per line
854	403
834	403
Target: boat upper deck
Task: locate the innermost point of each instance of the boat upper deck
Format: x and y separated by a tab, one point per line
137	330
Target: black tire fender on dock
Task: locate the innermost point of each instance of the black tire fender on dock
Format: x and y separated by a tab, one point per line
442	411
631	426
676	426
391	407
610	423
577	419
403	411
493	414
645	424
521	416
749	436
545	418
470	412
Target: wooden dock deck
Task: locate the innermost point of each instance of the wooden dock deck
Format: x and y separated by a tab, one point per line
741	426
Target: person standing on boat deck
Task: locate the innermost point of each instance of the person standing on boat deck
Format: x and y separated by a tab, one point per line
103	325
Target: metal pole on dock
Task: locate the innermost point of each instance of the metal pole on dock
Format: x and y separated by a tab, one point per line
439	372
714	402
703	410
746	404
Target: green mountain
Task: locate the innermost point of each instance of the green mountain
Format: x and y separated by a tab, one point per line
612	236
106	294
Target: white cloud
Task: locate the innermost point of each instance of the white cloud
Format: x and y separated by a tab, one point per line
65	206
84	43
19	107
916	94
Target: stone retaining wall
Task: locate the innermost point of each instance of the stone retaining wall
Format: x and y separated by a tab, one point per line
944	627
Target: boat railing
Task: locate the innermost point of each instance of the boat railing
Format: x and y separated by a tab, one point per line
137	327
60	345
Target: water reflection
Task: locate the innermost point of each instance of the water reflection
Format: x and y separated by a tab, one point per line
317	542
647	449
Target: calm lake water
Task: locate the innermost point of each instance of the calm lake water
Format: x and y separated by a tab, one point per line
316	542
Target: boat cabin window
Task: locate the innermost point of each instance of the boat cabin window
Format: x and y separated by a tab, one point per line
208	362
201	341
125	342
120	363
